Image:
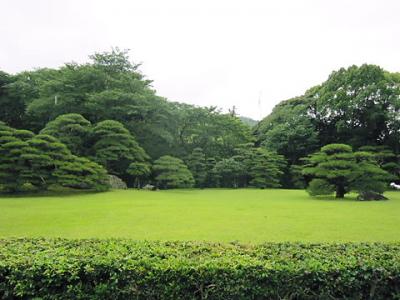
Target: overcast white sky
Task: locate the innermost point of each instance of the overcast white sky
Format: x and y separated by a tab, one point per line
208	52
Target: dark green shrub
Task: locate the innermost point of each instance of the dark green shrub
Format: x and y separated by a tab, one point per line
123	269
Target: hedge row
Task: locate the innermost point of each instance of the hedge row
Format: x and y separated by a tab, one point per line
124	269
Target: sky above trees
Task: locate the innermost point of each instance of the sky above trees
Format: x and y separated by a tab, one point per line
223	53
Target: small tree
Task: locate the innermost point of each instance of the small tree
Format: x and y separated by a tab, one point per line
368	177
228	171
139	171
266	169
196	163
211	179
171	172
334	164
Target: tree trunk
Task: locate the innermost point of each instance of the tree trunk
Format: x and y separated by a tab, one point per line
340	191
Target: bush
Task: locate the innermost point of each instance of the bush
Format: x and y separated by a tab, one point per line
123	269
318	187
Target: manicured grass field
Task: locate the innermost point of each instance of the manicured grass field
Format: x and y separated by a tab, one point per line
244	215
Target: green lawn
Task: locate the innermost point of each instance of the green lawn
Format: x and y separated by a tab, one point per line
244	215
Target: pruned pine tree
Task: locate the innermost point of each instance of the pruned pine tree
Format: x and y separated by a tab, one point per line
266	169
41	161
337	169
196	163
12	147
72	130
171	172
81	173
332	166
139	171
115	148
368	176
228	172
43	156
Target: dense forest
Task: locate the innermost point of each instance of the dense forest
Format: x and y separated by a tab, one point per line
72	125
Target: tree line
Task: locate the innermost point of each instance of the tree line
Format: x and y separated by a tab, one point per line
105	116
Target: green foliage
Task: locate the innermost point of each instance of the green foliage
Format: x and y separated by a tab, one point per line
139	171
296	177
44	156
196	163
81	173
371	117
266	169
111	87
318	187
11	163
171	172
358	106
72	130
42	161
335	163
289	130
336	167
369	176
228	172
385	158
124	269
115	148
211	179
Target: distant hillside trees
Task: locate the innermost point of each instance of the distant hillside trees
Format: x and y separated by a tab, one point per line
111	87
107	112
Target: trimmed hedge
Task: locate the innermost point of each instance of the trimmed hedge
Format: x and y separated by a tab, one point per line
124	269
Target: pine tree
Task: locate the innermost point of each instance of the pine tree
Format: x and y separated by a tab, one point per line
171	172
72	130
44	155
368	177
196	163
211	179
115	148
332	166
266	169
12	146
139	171
337	168
81	173
41	161
228	172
